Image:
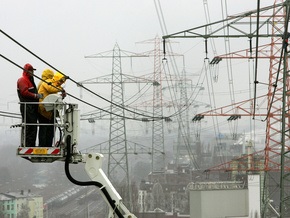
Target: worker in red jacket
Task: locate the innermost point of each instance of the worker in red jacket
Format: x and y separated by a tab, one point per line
27	92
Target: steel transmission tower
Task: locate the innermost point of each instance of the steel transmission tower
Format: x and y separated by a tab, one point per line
276	152
185	151
158	158
184	148
118	143
118	158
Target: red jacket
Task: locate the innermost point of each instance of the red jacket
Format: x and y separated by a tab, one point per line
26	87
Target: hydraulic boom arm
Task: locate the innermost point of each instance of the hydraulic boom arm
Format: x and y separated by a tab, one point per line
94	170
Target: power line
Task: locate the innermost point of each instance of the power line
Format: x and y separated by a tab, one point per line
78	84
151	118
10	115
85	102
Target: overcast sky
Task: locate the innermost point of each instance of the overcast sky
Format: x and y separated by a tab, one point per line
62	32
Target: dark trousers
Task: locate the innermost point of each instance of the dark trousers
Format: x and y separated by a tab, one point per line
29	131
46	132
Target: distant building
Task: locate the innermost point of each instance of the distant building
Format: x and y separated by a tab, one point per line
225	199
21	204
165	191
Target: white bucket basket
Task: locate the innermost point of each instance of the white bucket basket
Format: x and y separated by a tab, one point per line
53	101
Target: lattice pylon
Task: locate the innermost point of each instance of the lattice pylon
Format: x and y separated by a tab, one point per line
158	158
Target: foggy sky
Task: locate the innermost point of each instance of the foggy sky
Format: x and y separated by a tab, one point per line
63	32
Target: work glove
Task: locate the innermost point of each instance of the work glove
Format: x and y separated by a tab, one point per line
63	94
38	96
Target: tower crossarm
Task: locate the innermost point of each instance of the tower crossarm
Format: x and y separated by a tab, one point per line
234	23
238	108
263	52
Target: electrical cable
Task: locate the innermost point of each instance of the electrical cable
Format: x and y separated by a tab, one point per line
85	102
177	111
127	103
256	58
232	125
212	100
88	183
79	98
10	116
208	21
5	112
78	84
192	97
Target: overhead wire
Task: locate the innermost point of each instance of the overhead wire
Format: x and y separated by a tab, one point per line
212	103
208	21
126	102
256	58
10	114
162	23
208	71
193	96
233	125
179	111
85	102
215	74
252	122
120	106
78	84
134	112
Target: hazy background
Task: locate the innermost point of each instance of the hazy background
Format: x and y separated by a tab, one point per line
63	32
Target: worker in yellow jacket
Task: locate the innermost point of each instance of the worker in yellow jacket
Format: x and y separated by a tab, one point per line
49	86
46	74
